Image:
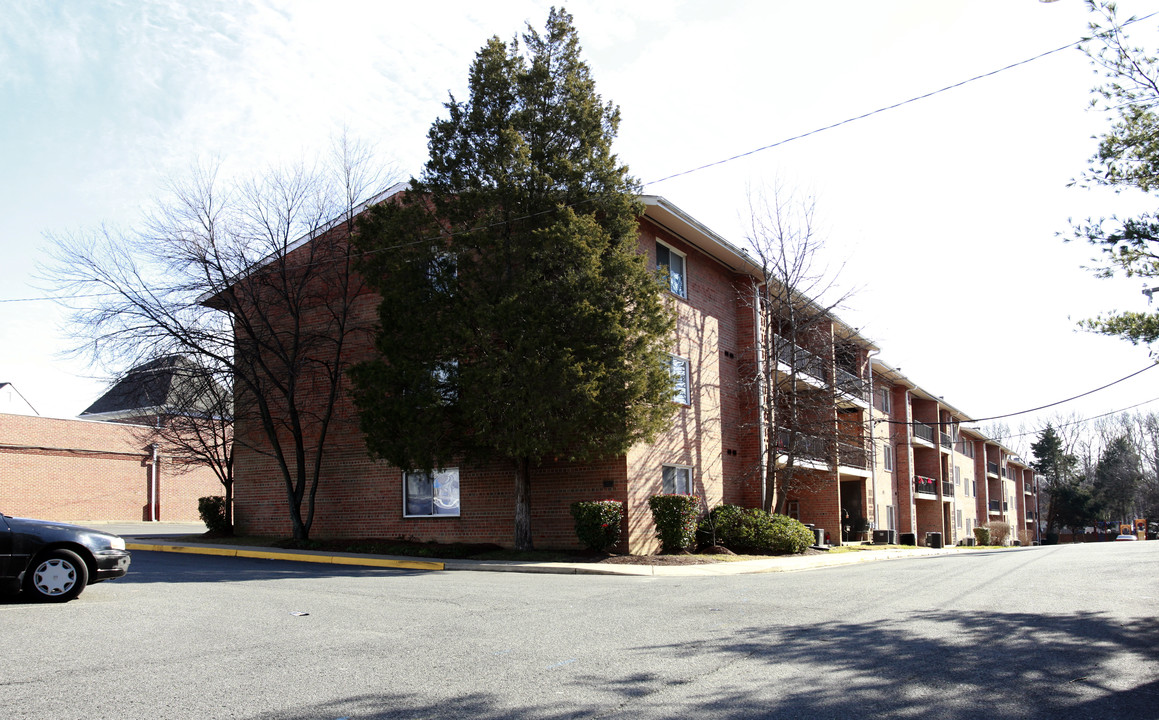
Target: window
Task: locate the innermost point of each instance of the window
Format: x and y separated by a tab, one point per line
444	374
889	522
672	261
681	388
442	270
887	457
676	480
958	519
794	510
974	488
883	399
435	493
957	476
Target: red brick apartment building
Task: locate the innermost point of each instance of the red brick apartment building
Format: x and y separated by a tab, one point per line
713	448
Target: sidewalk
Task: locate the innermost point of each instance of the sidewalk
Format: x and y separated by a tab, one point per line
164	537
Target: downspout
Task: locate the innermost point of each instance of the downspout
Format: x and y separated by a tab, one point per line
762	439
154	501
872	439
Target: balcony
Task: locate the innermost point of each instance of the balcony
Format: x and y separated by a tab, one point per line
924	432
800	359
804	446
851	455
991	468
947	441
995	507
850	384
1029	516
925	486
947	488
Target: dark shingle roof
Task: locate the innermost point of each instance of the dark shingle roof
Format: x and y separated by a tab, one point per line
160	385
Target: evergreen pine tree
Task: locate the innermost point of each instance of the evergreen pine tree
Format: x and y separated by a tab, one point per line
518	319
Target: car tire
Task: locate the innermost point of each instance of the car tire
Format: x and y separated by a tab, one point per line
56	576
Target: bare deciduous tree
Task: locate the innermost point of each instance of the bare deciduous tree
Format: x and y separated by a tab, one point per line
798	379
251	278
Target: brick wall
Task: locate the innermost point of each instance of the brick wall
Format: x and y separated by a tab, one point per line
715	436
79	470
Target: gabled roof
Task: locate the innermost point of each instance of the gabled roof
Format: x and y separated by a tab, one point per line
11	401
157	386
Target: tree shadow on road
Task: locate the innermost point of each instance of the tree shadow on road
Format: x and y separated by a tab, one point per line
933	664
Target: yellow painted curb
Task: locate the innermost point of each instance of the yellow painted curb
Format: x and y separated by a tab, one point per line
293	557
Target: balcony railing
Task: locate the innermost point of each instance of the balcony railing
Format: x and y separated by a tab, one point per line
925	486
801	445
947	441
800	359
1029	516
852	455
992	468
995	506
923	431
947	488
850	384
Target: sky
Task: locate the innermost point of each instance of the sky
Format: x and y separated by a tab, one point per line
944	217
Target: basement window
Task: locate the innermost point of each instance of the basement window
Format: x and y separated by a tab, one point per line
431	494
676	480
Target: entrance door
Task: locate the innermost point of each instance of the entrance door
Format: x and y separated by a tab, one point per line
852	508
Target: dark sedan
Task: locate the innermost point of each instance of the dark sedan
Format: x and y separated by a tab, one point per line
54	561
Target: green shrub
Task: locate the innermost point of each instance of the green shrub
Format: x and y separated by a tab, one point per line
755	531
212	511
675	518
982	535
597	523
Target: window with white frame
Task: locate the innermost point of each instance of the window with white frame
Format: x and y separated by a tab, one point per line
681	376
969	525
887	457
676	480
958	519
883	399
889	521
427	494
957	476
672	260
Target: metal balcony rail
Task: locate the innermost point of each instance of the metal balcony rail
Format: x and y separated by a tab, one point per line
947	440
800	359
801	445
852	455
992	468
923	431
925	485
850	384
947	488
995	506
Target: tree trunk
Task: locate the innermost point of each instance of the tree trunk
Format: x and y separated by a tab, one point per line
523	504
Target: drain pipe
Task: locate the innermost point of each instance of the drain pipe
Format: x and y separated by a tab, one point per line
872	439
154	501
762	440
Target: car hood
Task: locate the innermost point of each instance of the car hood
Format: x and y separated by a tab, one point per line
50	531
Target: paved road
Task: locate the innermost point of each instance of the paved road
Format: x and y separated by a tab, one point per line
1035	633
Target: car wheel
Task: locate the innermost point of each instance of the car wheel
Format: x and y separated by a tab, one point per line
56	576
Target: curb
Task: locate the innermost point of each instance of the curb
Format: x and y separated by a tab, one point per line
743	567
365	561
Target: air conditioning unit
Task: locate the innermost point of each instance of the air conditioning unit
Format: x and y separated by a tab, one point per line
884	537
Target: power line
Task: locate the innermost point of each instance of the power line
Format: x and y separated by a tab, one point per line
894	106
1036	409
